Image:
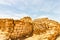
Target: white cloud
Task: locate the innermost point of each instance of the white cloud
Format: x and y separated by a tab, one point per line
20	15
10	14
14	2
56	9
43	16
30	5
42	5
47	6
37	2
51	6
7	2
50	17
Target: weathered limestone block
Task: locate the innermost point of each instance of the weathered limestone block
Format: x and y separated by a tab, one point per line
50	27
21	29
26	19
6	26
2	24
9	24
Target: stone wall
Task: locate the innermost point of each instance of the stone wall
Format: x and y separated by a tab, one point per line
24	28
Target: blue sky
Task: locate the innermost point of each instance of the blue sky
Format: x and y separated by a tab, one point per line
33	8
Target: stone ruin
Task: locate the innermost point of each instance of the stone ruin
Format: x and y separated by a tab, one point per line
28	29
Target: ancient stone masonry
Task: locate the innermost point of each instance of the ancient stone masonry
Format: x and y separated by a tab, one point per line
6	27
28	29
16	28
49	29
